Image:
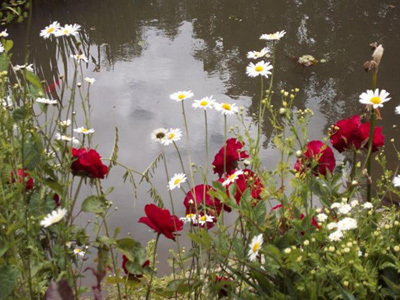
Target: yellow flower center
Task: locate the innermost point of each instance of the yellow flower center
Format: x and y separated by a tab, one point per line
259	68
190	216
256	246
171	135
84	130
226	106
203	103
203	218
78	250
50	30
233	176
181	96
177	181
66	31
375	100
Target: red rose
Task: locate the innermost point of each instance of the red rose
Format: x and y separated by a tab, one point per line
125	260
161	221
318	152
233	155
87	162
23	175
199	194
246	180
378	139
347	134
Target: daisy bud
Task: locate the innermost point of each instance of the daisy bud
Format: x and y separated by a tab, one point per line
284	103
299	153
377	55
282	111
286	94
79	84
345	283
296	90
354	183
282	91
396	248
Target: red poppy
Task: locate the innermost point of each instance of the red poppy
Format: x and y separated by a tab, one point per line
87	162
161	221
318	152
234	153
23	175
125	260
246	180
200	194
378	139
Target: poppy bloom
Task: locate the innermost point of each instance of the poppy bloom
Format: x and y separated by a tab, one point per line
22	174
87	162
161	221
198	197
125	260
234	153
320	153
378	139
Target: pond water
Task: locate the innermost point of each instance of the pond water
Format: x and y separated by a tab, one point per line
142	51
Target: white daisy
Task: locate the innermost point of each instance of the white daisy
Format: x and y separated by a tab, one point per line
335	205
66	138
190	218
204	103
172	135
50	30
273	36
79	57
347	224
331	226
68	30
23	67
255	246
46	101
367	205
2	48
232	177
3	33
54	217
226	108
258	54
181	95
205	218
336	236
90	80
397	110
176	181
374	98
261	68
65	123
159	135
322	217
79	252
344	209
84	130
396	181
354	203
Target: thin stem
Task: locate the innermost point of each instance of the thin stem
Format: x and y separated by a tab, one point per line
225	144
369	157
206	138
153	271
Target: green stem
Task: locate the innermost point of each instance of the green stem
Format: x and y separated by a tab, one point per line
206	138
225	144
153	270
369	156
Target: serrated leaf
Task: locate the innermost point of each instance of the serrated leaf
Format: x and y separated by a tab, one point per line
94	204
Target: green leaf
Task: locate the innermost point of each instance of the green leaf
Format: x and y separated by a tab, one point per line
4	62
135	254
94	204
8	280
33	150
19	113
8	44
34	79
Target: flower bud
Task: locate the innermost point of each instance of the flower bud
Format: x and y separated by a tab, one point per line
299	153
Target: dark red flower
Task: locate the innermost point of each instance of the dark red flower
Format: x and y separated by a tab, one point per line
56	199
161	221
378	139
87	162
23	175
198	196
318	152
234	153
224	284
246	180
346	134
125	260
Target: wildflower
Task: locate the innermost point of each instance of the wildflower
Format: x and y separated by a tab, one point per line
90	80
190	218
46	101
23	176
172	135
204	219
66	138
204	103
344	208
396	181
322	217
84	130
354	203
331	226
347	224
181	95
260	68
258	54
4	33
54	217
233	154
161	221
226	108
50	30
176	181
335	205
159	135
273	36
335	236
87	162
374	98
79	57
397	110
28	67
307	60
79	252
65	123
255	246
320	153
231	178
68	30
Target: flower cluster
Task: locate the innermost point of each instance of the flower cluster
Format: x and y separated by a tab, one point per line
55	29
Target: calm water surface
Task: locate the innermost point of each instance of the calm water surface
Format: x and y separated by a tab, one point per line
142	51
